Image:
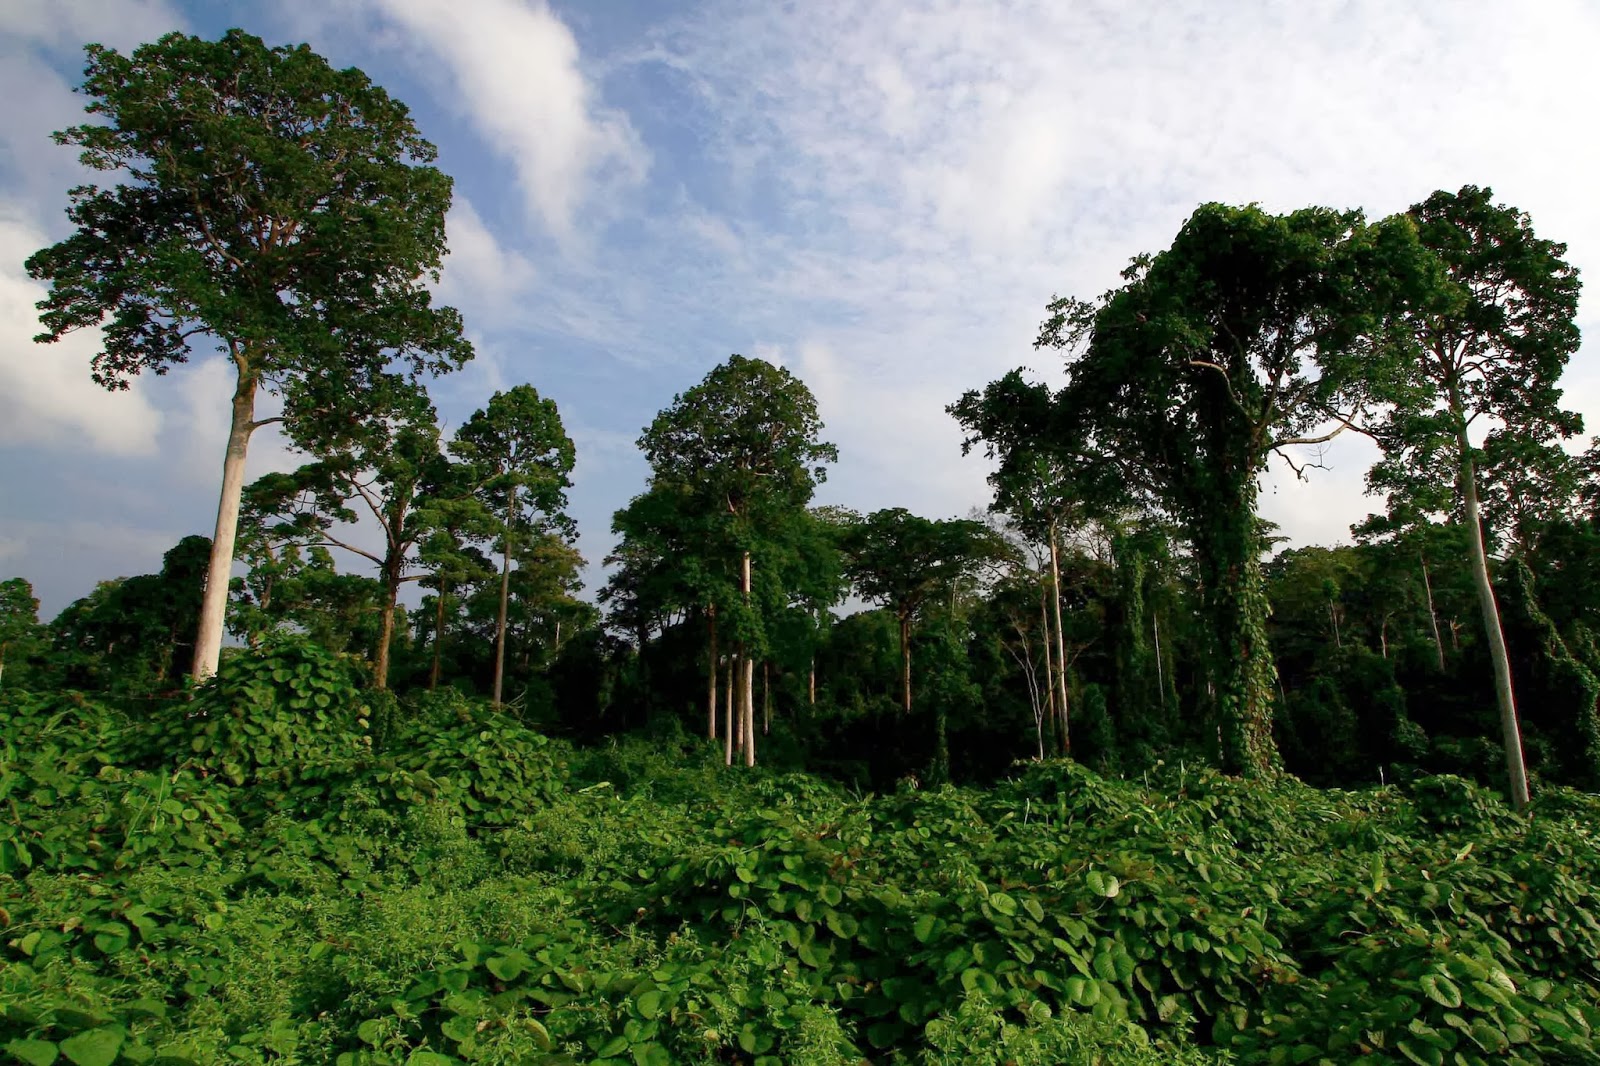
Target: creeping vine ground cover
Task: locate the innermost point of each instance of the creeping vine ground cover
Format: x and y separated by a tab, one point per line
287	870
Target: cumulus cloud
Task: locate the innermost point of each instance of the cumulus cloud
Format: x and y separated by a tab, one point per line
46	395
120	24
515	71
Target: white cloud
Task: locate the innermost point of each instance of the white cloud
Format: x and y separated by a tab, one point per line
46	395
941	168
120	24
481	274
515	70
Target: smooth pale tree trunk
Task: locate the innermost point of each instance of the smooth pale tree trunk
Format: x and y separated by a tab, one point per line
811	684
1516	769
214	602
1433	616
438	638
749	712
1161	675
766	699
727	722
905	663
1061	644
711	673
505	598
1049	668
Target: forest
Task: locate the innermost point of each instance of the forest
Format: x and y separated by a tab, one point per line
1105	773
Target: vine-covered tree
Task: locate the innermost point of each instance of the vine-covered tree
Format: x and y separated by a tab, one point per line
1251	334
280	210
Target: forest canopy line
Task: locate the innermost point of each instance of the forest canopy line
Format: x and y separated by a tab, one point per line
546	768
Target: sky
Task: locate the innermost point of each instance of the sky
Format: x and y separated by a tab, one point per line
879	196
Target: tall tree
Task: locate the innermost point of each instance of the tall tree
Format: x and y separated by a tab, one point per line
523	460
1491	347
1251	334
21	635
280	209
743	446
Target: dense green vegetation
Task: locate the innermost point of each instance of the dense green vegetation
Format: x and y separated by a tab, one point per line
979	817
285	871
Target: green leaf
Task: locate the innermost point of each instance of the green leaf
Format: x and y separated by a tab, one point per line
1034	908
1441	990
429	1058
33	1052
97	1047
924	928
649	1004
506	967
1003	903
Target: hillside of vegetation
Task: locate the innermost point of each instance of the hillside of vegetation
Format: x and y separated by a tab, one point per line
291	869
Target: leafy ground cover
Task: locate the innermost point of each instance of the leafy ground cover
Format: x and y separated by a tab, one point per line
288	870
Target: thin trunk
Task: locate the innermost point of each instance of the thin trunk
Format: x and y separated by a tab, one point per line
438	637
749	712
1433	616
1383	636
747	676
905	663
505	597
1516	769
214	603
727	722
766	699
711	673
811	684
1061	644
1161	675
1049	668
1333	619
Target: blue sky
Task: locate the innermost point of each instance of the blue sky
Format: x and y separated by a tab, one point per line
879	196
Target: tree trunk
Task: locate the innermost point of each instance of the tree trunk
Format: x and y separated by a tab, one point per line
749	712
1161	674
1433	616
766	699
391	595
214	602
727	722
711	673
1049	668
905	662
438	638
1240	668
500	621
1061	645
1516	769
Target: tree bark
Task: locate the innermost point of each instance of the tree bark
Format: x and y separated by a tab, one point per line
505	598
727	722
214	603
749	712
1516	769
1239	662
766	699
1049	668
1061	644
391	595
1433	616
711	673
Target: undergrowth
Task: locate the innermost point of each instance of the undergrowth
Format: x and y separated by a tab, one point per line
283	871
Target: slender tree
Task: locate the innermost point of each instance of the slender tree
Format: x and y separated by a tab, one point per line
1491	347
523	459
